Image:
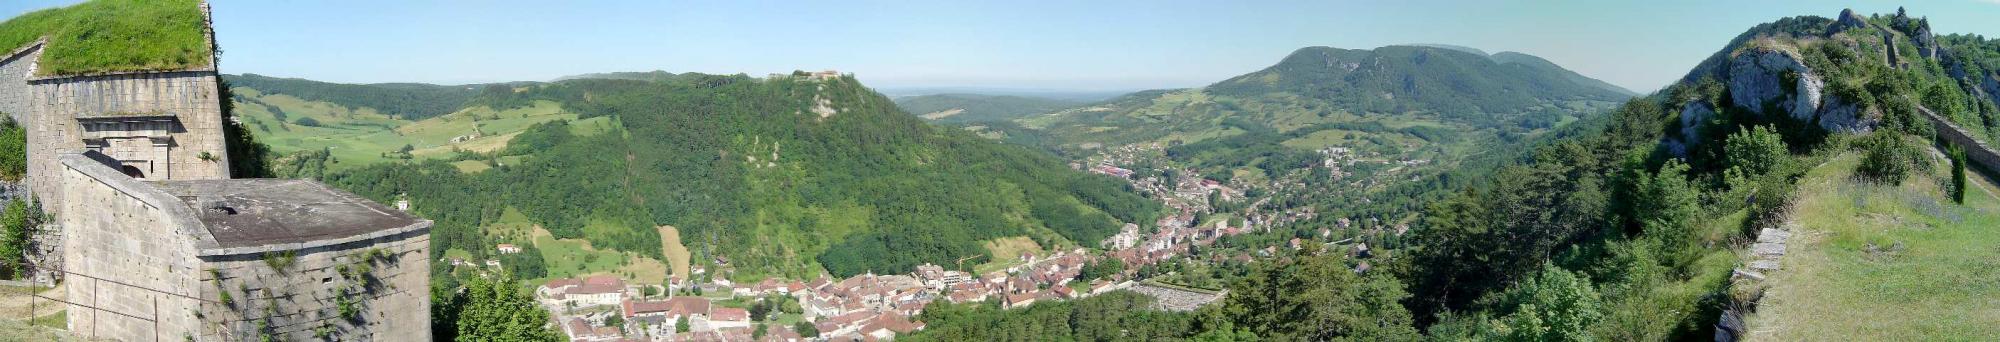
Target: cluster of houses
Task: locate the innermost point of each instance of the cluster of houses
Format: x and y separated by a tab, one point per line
861	308
1036	279
1114	171
865	307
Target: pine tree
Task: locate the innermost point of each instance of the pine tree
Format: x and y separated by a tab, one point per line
1958	174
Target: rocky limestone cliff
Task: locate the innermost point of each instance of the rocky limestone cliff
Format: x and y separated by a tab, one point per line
1763	76
1766	74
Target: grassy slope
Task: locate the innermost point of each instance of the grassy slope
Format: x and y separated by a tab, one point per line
574	258
113	36
361	136
1944	284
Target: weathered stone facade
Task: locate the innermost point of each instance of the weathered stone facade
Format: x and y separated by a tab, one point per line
385	280
128	233
157	125
237	260
17	65
163	124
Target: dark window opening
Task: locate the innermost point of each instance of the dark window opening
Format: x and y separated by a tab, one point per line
132	171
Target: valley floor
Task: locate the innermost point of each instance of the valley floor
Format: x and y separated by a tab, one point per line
1876	262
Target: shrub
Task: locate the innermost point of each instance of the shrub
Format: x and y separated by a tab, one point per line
1957	174
13	150
1757	150
1888	158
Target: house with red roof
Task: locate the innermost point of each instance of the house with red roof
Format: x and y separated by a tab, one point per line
843	324
1020	300
728	317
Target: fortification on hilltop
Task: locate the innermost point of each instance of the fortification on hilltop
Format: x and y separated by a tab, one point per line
157	242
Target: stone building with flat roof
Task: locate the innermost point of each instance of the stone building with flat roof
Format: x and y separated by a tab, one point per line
237	259
158	243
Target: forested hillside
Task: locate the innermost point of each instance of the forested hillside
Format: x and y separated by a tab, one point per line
1460	90
782	176
1637	226
1344	134
408	101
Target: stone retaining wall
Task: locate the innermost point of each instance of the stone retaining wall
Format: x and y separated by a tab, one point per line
1975	151
1173	299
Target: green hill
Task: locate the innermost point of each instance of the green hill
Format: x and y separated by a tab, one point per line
1397	79
1350	133
1643	227
1396	86
354	133
965	108
408	101
114	36
785	176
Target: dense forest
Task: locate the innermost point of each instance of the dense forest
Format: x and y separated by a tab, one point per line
750	170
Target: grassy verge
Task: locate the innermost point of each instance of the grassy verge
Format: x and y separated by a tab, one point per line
1880	262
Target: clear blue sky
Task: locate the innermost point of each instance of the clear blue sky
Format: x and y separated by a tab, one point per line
1074	45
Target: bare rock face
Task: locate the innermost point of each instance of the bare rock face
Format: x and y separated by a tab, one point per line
1693	114
1842	115
1926	42
1760	76
1848	20
1990	85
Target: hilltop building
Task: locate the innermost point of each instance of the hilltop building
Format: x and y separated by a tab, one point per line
158	243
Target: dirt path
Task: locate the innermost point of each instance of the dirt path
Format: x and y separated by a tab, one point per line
677	253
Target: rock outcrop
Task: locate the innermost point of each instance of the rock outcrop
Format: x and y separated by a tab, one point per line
1693	115
1848	20
1762	75
1842	115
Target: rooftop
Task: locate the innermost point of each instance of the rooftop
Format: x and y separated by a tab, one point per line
258	212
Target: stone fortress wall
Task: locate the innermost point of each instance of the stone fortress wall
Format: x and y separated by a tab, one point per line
145	259
17	65
169	150
1976	151
291	292
125	226
165	124
386	281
